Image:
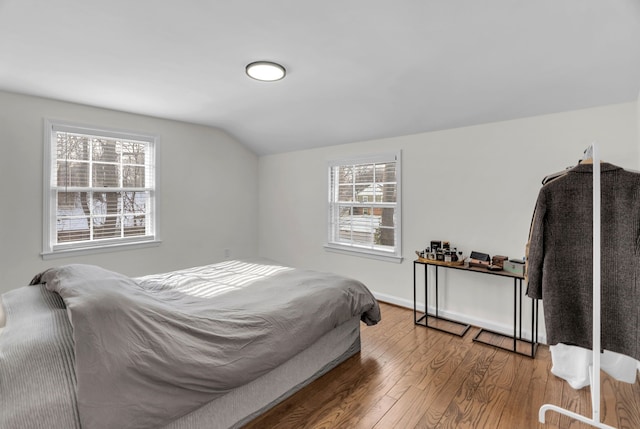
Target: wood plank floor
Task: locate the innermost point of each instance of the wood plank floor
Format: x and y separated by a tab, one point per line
407	376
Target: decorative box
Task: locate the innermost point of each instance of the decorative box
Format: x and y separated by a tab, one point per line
498	260
515	266
479	259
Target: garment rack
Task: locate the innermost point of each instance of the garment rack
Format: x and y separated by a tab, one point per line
595	367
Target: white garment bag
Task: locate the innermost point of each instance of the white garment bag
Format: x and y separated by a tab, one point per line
573	364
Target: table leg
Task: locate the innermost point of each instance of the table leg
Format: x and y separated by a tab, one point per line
515	312
437	300
520	306
415	312
426	316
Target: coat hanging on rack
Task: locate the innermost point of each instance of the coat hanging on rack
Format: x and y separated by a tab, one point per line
560	258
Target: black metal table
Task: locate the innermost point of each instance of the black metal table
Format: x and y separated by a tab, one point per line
423	320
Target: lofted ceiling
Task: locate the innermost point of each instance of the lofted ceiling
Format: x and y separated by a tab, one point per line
356	69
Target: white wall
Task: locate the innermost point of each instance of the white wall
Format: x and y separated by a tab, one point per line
208	188
474	186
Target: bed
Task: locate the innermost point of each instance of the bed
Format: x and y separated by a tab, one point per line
205	347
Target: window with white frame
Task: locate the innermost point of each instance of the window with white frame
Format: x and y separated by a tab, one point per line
364	206
100	189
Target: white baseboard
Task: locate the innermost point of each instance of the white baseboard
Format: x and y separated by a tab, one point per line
474	321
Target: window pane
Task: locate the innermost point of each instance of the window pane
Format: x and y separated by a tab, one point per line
73	229
105	203
345	174
345	193
344	214
71	204
385	236
72	222
364	173
104	150
72	147
106	227
135	225
387	193
133	152
135	202
365	193
105	175
366	228
70	173
133	176
344	235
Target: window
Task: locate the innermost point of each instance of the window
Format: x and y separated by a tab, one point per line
100	190
364	206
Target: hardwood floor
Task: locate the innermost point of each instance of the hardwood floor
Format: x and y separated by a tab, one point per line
408	376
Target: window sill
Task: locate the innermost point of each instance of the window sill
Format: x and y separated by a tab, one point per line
65	253
363	253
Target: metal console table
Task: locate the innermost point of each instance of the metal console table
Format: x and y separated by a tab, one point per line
423	320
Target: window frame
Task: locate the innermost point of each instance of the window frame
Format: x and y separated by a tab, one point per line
357	250
51	249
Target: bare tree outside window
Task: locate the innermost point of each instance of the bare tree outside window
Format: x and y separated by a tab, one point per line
389	189
101	188
363	205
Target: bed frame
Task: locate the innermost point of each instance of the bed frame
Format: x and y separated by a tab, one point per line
247	402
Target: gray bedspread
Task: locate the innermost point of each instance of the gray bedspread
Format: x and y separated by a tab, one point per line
152	349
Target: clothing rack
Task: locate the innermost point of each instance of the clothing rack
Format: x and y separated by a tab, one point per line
595	367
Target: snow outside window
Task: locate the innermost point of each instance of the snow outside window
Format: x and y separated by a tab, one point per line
364	206
100	189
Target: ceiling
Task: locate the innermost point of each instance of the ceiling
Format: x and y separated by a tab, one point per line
356	69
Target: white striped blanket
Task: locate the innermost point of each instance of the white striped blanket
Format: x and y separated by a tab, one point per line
37	376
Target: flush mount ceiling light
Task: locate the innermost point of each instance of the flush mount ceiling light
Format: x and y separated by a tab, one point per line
265	71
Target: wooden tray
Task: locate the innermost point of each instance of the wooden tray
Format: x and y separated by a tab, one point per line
436	262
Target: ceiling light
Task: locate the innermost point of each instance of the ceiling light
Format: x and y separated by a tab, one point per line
265	71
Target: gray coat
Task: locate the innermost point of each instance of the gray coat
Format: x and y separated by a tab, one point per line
560	258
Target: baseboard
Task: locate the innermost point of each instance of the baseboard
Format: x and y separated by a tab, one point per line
482	323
